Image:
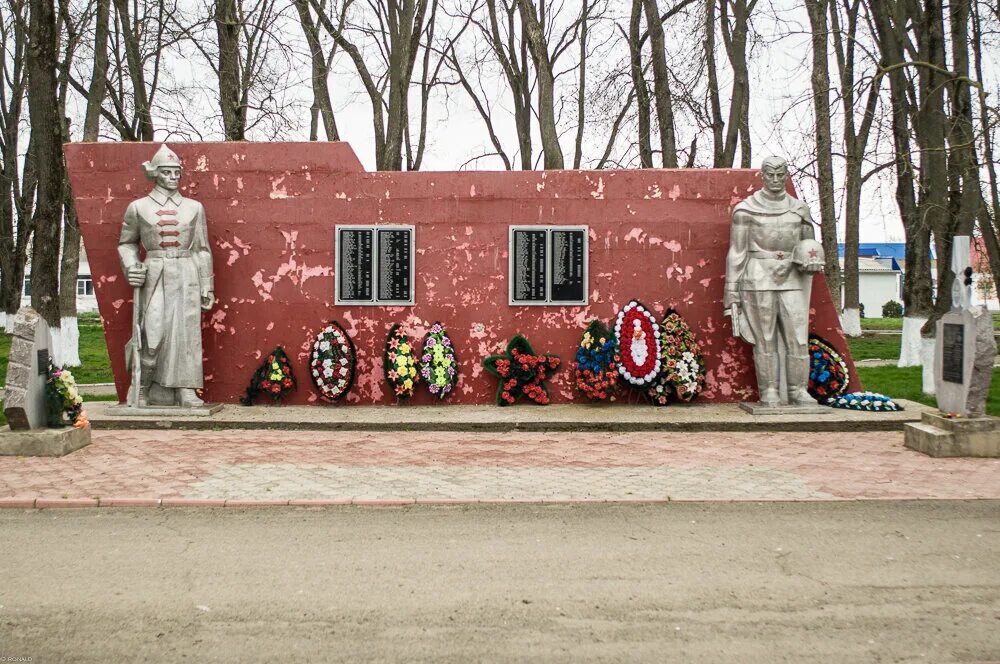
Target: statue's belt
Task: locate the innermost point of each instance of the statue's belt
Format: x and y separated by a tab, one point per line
778	255
168	253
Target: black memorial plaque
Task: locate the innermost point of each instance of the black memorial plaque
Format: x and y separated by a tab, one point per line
43	361
354	281
528	263
568	256
953	353
395	248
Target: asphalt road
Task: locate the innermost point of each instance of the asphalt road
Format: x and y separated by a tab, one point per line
723	582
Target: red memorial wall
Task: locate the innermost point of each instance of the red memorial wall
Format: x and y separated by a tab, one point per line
660	236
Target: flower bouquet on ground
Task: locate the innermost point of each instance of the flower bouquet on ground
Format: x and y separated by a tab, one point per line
62	399
828	372
400	364
638	337
274	378
682	370
333	362
522	372
597	359
438	364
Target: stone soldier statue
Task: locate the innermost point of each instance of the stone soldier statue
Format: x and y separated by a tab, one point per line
174	285
772	257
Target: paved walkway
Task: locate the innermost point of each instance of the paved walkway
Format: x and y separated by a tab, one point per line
241	468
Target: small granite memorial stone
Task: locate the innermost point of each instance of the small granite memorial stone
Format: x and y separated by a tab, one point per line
27	371
24	396
963	368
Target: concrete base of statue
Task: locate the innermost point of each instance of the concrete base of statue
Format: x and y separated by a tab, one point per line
205	410
758	408
939	436
43	442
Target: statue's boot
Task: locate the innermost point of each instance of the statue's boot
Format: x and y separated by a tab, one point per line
798	381
160	396
188	398
767	378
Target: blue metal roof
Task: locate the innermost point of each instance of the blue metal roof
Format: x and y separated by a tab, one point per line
895	250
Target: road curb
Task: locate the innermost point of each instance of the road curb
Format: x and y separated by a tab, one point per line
40	503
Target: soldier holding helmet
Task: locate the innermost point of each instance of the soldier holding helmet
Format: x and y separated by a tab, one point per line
772	257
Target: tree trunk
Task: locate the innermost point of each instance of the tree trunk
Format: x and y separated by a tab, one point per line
580	96
661	85
855	146
46	127
69	270
715	105
537	46
734	37
99	77
227	24
989	221
140	94
639	84
13	235
824	143
930	131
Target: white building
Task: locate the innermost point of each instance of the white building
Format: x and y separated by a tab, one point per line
85	300
879	280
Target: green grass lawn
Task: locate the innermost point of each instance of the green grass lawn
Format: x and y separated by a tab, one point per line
875	347
905	383
897	323
95	367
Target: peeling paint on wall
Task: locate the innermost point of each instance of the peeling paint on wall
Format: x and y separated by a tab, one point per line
272	210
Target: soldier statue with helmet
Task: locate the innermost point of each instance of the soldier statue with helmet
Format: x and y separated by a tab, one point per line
773	255
173	285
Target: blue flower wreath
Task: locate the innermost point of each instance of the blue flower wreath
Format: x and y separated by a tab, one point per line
868	401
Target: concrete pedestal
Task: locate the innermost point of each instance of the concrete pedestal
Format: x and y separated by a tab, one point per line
757	408
160	412
43	442
939	436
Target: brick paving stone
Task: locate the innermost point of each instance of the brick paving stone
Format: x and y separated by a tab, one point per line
182	467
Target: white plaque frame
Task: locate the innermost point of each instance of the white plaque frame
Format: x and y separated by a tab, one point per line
374	228
549	254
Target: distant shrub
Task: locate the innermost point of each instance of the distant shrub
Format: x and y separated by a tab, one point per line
861	309
892	309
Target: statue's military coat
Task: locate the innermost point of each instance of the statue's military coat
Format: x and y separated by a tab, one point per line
172	231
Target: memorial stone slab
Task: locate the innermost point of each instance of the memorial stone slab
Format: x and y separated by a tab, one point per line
27	371
954	357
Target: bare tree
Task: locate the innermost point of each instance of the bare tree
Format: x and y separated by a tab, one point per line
322	107
66	348
46	142
889	19
989	219
661	85
398	39
817	10
855	140
17	176
539	49
734	21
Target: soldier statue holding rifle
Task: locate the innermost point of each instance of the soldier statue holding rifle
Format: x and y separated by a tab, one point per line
165	256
